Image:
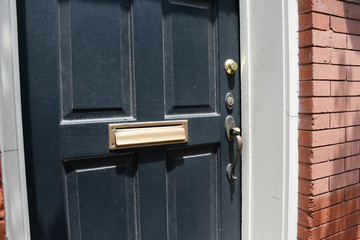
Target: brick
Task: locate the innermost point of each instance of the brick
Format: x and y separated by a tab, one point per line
352	133
313	188
342	209
352	163
312	219
353	42
323	154
315	21
352	118
352	103
322	137
314	89
345	57
314	55
338	88
345	25
314	155
314	5
321	170
344	179
338	8
302	232
305	203
314	121
304	6
323	105
344	150
319	232
305	22
338	56
2	230
352	191
348	235
351	57
351	220
336	40
326	230
315	203
338	120
353	73
2	212
320	21
342	119
322	39
322	72
306	38
353	89
354	11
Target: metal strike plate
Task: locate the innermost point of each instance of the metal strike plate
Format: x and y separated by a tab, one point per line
143	134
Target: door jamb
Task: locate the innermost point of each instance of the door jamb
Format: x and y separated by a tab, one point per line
269	86
11	135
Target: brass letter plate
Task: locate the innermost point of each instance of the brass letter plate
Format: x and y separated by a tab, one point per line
143	134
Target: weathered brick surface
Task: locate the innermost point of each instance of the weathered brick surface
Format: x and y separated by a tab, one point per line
329	119
2	208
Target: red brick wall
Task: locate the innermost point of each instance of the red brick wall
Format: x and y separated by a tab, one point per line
329	128
2	209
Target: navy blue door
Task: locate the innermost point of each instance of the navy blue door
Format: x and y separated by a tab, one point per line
86	64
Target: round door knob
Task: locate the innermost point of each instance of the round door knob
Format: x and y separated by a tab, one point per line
230	66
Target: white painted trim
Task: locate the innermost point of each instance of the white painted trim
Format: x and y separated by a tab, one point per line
245	59
291	115
269	83
11	136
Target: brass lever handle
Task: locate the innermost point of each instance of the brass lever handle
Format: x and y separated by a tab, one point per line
230	169
233	132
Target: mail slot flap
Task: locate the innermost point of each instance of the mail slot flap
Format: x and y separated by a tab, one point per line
147	134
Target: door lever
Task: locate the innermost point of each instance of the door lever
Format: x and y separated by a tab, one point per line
232	133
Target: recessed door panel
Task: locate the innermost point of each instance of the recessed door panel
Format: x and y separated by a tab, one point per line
190	33
95	46
192	193
94	183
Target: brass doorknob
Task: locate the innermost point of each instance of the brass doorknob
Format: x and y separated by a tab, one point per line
230	66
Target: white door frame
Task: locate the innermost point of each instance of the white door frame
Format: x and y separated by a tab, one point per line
269	81
11	136
269	75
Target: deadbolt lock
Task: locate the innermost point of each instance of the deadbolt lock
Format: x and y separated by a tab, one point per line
230	66
230	101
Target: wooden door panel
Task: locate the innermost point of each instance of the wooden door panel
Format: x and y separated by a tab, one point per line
101	197
192	193
190	56
95	59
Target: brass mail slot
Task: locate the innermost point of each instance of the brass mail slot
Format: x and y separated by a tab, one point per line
145	134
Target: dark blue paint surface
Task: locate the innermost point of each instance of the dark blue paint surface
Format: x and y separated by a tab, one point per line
87	63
